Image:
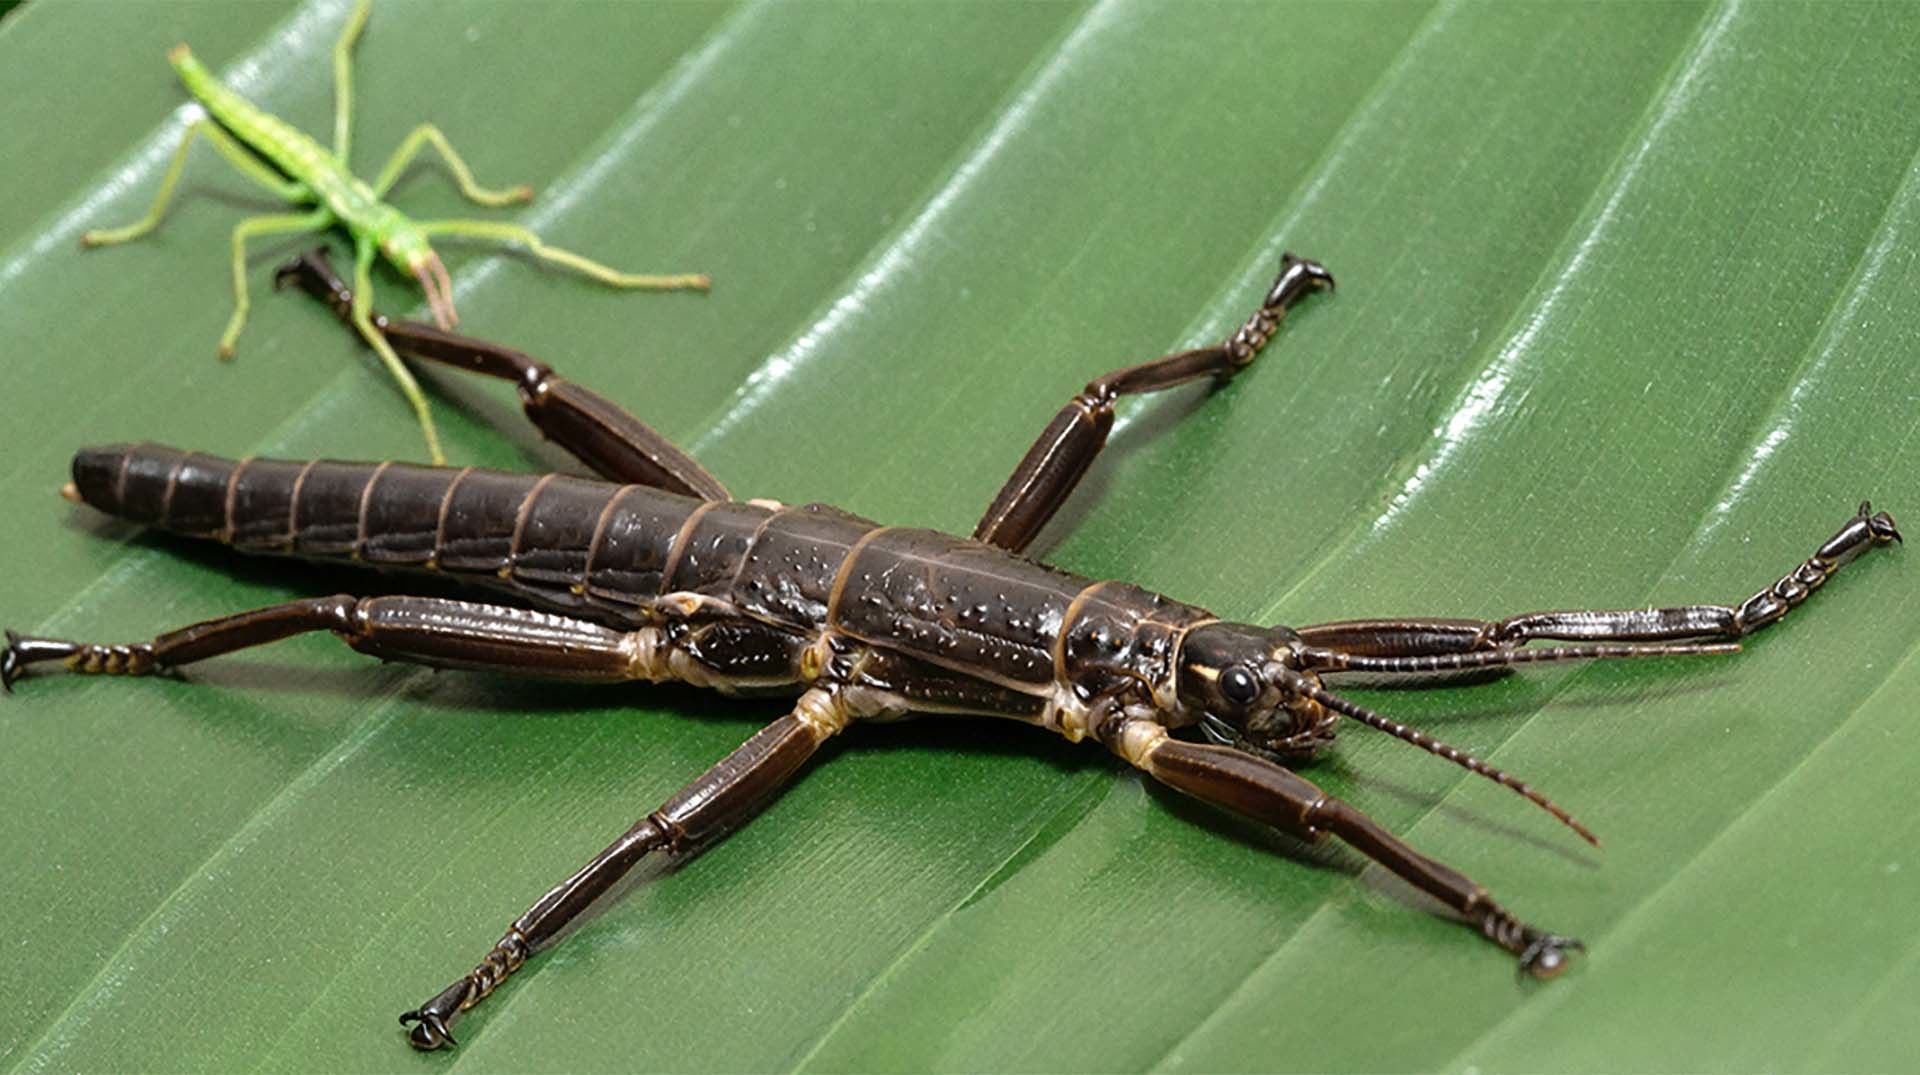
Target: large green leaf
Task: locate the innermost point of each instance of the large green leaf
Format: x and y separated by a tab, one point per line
1625	316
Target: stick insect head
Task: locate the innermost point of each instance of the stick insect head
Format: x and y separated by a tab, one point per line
1245	681
405	245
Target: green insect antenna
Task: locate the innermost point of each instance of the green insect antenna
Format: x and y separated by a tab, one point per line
432	274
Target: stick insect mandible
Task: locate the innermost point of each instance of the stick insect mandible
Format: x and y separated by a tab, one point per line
666	578
298	170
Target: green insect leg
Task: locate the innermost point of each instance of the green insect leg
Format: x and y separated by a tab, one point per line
236	154
515	233
364	251
474	192
278	224
343	79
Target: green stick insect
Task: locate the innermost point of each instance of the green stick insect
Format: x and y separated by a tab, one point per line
300	171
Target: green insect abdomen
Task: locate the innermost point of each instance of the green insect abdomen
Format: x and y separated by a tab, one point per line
286	147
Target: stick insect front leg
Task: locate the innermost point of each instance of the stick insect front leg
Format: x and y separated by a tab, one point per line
360	317
1059	458
1277	796
595	430
525	236
1441	644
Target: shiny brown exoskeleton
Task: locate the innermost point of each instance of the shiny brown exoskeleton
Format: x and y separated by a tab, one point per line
666	578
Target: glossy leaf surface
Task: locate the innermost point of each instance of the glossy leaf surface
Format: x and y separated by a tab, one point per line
1625	317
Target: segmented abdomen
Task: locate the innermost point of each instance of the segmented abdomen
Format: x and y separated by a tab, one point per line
609	552
580	546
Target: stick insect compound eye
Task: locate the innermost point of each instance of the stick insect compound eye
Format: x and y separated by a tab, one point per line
1239	685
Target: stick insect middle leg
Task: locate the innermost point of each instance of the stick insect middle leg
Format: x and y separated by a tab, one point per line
252	227
595	430
721	799
1442	644
1059	458
426	134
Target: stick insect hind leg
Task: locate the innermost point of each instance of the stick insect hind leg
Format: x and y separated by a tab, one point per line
422	630
597	431
288	190
461	634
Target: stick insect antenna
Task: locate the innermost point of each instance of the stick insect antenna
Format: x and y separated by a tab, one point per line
1301	685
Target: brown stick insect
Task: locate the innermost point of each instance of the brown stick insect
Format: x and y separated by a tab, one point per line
656	574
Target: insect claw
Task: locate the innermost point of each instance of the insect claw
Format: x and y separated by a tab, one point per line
10	663
1881	524
428	1031
431	1021
1546	957
1298	277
